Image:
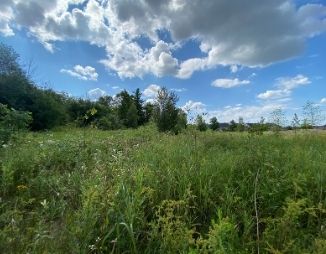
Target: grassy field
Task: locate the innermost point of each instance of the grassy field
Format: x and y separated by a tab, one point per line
139	191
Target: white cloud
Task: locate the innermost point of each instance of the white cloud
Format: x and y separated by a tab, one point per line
323	101
274	94
188	67
234	68
194	108
151	91
178	90
289	83
193	105
84	73
95	94
150	101
252	75
115	87
256	34
285	87
229	83
250	113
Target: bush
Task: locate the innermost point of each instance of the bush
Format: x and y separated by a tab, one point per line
11	121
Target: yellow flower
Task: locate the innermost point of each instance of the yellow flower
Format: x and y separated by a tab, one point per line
22	187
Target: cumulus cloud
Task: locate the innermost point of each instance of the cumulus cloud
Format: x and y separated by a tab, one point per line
289	83
323	101
84	73
285	86
234	68
193	105
95	94
151	91
250	113
229	83
229	33
274	94
194	108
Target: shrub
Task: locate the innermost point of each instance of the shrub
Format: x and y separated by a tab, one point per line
11	121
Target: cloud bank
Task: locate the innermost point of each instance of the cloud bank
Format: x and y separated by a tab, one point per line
228	32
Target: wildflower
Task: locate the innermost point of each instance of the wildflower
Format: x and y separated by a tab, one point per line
92	247
22	187
51	142
44	203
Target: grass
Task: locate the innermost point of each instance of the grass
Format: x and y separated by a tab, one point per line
139	191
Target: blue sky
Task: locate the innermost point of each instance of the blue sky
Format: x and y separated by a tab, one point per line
222	57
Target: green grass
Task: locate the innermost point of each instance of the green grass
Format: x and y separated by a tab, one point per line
139	191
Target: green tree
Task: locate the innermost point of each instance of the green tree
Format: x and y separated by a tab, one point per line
295	122
148	112
312	115
11	121
139	106
181	122
125	110
200	123
214	124
233	126
132	116
166	112
9	62
277	119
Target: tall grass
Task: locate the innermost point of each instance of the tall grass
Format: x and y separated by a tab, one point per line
139	191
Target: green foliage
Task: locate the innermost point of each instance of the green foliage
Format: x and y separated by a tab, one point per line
142	191
9	61
222	237
132	116
232	126
139	106
12	121
312	115
148	112
200	123
181	122
258	128
214	124
277	120
165	111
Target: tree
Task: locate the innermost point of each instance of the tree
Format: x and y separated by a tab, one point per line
181	122
312	115
132	116
232	126
139	106
241	125
258	128
295	122
9	61
125	101
214	124
148	112
11	121
200	123
166	112
277	119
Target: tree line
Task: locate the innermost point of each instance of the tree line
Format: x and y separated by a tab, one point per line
25	105
47	109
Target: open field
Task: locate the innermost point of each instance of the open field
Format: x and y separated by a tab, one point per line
140	191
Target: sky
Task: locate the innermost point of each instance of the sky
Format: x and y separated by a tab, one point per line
223	58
